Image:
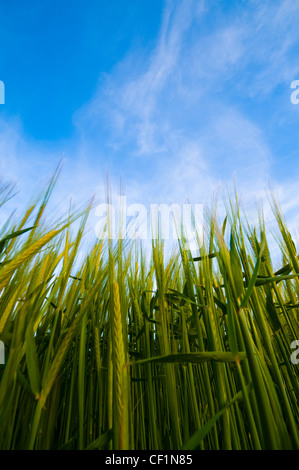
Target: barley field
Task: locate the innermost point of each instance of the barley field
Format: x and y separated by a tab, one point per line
121	351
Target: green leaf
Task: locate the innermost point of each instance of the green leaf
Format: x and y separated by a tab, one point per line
236	268
261	282
200	258
198	436
221	305
287	269
32	361
224	225
101	441
272	312
253	280
12	235
181	296
220	356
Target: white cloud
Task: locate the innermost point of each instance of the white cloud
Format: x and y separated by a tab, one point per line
172	123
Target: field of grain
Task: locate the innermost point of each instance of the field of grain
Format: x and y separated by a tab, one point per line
122	352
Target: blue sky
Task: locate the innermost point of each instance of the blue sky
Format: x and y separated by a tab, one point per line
176	98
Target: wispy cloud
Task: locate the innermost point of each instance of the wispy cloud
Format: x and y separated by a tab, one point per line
178	120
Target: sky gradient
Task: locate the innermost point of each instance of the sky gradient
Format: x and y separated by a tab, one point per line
173	98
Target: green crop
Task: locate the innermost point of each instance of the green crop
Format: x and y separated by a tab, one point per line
122	350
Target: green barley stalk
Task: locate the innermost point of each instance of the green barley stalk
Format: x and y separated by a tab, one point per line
118	350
